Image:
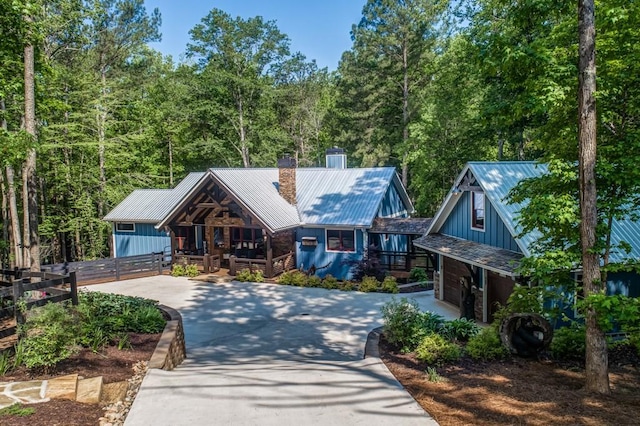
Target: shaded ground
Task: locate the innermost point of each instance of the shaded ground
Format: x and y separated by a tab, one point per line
112	364
519	392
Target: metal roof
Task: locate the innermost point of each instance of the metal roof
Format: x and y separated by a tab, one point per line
325	197
257	189
348	197
497	178
151	205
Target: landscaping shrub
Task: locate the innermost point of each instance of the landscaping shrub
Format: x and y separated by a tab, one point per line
348	286
569	342
314	281
246	275
486	345
330	282
435	349
49	335
405	325
461	329
417	275
390	285
178	270
191	271
369	284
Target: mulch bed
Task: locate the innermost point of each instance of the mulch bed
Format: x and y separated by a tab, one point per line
519	391
112	364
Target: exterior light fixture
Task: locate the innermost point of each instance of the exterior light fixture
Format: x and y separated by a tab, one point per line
456	191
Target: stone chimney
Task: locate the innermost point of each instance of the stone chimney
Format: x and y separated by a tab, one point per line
287	179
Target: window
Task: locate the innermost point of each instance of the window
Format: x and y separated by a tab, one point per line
339	240
477	210
125	227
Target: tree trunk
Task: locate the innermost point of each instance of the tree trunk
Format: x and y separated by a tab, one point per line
15	219
5	222
597	377
405	114
244	149
29	177
170	164
101	122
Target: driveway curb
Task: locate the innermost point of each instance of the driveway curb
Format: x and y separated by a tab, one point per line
371	347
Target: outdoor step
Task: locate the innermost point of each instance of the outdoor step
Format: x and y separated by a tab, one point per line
114	392
89	391
63	387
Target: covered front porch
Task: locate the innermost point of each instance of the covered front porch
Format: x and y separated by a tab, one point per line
213	230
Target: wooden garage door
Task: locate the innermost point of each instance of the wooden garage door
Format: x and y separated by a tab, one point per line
453	270
498	288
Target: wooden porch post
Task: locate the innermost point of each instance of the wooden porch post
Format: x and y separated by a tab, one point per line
172	237
269	266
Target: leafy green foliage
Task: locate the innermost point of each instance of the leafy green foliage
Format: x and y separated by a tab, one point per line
405	325
18	410
369	284
49	335
178	270
460	329
330	282
390	285
435	349
433	375
191	270
314	281
296	278
486	346
418	275
569	342
246	275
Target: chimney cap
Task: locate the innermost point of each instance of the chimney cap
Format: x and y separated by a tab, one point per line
286	162
335	150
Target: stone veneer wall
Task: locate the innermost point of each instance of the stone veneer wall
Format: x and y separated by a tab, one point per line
171	350
287	183
436	285
478	304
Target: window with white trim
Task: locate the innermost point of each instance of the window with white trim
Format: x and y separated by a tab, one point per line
125	227
477	210
341	240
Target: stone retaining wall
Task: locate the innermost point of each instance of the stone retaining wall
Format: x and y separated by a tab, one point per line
170	351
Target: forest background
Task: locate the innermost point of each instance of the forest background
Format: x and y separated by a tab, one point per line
426	86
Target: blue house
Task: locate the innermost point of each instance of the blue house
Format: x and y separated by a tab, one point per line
475	234
272	219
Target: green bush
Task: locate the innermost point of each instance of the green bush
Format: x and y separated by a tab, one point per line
191	270
390	285
369	284
178	270
569	342
418	275
49	335
296	278
486	346
435	349
405	325
330	282
314	281
348	286
104	316
246	275
461	329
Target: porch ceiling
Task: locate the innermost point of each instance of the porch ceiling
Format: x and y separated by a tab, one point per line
400	225
484	256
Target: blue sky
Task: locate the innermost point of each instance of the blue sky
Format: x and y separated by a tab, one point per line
318	29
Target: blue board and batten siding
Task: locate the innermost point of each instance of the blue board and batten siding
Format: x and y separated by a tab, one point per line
392	204
145	239
495	233
327	262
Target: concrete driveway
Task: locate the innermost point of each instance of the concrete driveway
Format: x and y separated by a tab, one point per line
263	354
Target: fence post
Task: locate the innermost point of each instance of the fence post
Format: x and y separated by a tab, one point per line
159	257
73	284
117	262
18	292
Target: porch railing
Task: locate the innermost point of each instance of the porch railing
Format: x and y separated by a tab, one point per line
206	264
277	266
402	261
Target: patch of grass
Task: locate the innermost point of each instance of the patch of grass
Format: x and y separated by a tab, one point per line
433	375
18	410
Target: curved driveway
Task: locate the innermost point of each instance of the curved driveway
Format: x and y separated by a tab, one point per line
263	354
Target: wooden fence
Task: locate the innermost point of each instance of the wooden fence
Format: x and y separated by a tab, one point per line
103	270
277	266
35	289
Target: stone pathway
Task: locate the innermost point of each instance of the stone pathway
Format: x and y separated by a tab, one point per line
22	392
